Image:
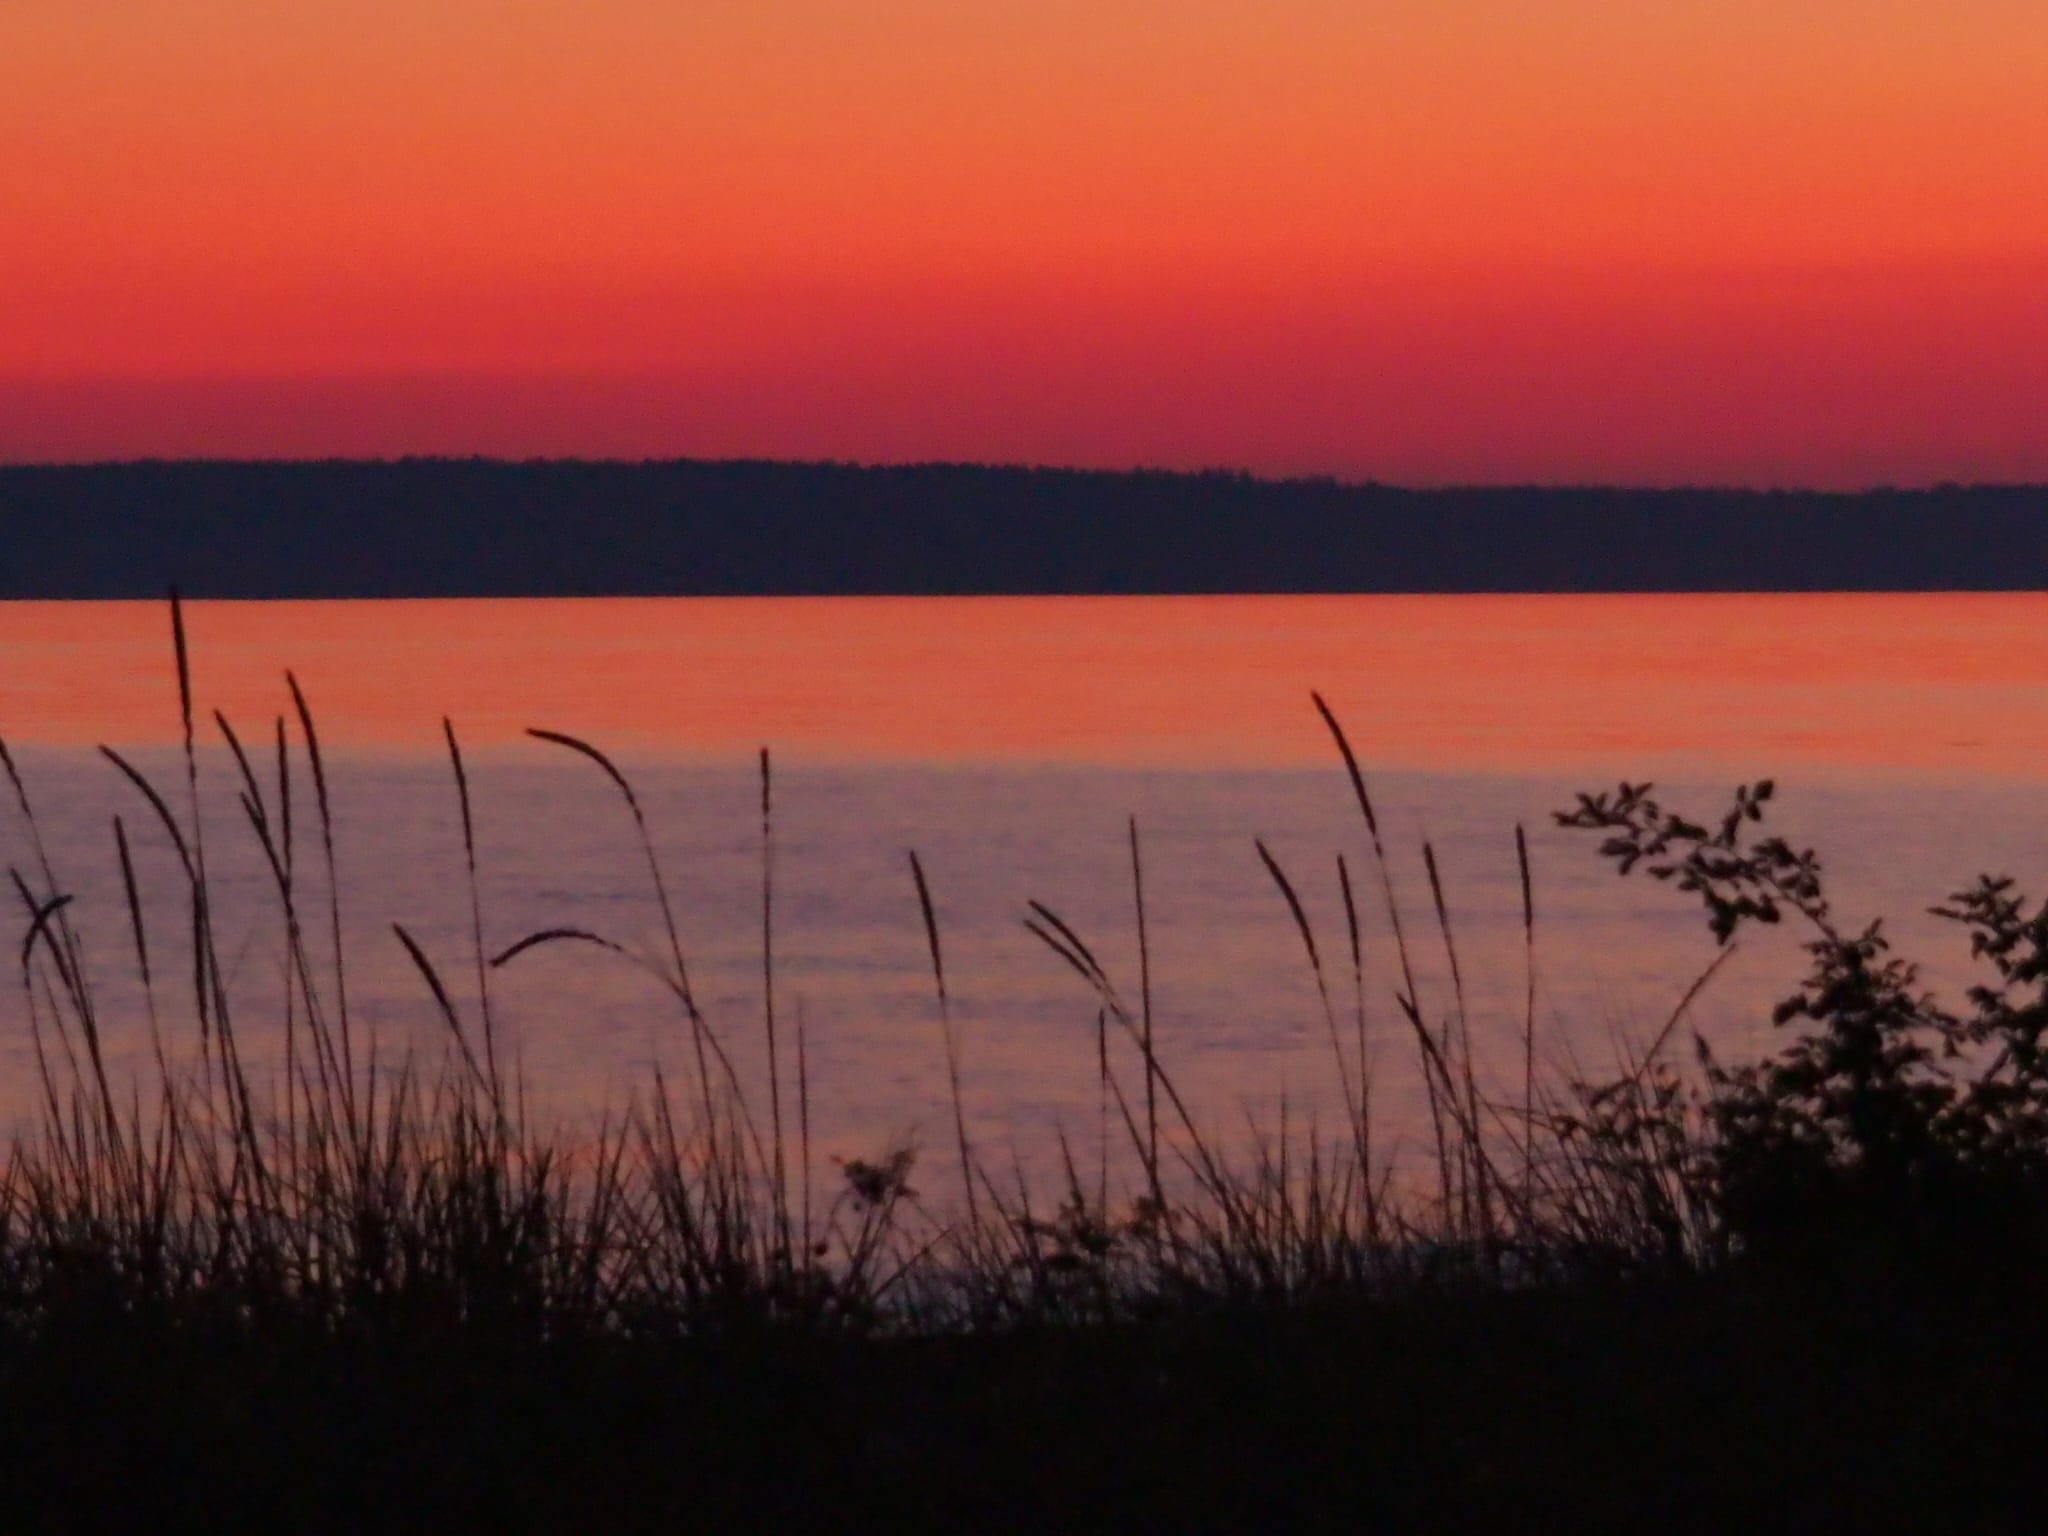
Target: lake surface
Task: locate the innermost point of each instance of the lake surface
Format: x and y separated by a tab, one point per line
1010	741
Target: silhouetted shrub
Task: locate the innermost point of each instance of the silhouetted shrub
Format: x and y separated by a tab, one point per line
1888	1130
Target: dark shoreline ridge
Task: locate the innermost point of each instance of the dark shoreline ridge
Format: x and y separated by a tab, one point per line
486	528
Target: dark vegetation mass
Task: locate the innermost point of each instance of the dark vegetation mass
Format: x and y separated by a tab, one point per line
363	1291
454	528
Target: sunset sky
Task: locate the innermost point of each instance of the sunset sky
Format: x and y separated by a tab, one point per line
1761	241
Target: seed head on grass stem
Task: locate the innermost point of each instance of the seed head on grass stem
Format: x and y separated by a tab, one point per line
931	933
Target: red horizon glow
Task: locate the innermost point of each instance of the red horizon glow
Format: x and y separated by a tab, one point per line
1728	242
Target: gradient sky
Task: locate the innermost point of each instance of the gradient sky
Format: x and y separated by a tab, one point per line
1763	241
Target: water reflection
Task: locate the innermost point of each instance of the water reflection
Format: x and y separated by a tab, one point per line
1007	741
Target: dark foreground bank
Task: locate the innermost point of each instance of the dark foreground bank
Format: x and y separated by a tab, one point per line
1677	1407
477	528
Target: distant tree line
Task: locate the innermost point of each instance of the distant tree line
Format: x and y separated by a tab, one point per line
444	527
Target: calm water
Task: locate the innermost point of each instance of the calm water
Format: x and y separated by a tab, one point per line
1008	741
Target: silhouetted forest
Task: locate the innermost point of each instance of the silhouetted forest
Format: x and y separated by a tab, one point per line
438	527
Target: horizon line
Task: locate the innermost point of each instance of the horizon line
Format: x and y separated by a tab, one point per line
1309	479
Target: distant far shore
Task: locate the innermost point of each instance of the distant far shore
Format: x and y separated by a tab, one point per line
488	528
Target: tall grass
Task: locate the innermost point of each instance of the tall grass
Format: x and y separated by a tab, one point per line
365	1190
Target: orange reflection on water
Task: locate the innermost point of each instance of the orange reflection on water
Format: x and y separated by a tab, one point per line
1940	683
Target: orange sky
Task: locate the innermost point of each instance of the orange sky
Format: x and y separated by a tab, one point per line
1760	240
